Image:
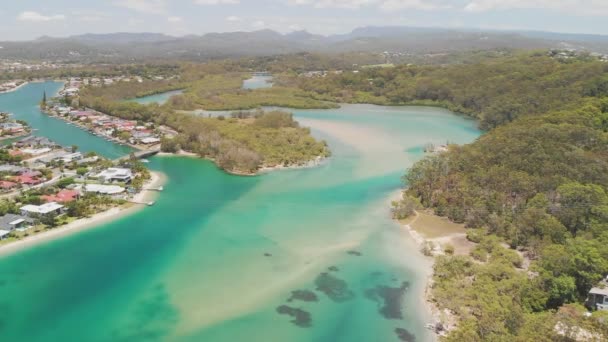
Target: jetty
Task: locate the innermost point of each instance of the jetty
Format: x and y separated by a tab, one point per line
142	154
149	204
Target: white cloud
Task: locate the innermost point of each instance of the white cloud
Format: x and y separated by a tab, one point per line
174	19
233	18
145	6
37	17
217	2
387	5
392	5
258	24
587	7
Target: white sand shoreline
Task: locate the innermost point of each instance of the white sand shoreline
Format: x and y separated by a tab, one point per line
157	179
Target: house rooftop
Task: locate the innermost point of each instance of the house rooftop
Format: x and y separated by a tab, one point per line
9	221
42	209
599	291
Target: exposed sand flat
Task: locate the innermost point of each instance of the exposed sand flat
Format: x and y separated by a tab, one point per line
372	145
157	179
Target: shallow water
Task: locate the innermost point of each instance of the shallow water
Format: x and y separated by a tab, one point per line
258	82
23	104
218	254
160	98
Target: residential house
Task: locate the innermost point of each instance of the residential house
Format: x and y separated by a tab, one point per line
6	185
598	296
101	189
115	174
47	209
10	222
63	196
12	127
26	180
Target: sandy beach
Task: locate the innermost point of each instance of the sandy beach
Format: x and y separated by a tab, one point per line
157	179
426	228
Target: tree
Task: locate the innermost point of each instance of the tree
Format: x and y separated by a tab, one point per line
43	102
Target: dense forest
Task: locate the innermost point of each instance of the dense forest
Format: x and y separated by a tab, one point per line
495	91
534	186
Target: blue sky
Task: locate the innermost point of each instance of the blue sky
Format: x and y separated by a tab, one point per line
27	19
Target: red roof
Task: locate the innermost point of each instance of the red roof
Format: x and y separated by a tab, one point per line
62	196
26	180
15	153
7	184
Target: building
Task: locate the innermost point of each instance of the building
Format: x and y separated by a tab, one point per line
12	127
6	185
150	141
70	157
104	189
51	208
10	222
63	196
115	174
598	297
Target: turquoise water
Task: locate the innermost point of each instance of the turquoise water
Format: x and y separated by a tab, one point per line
257	82
157	98
23	104
217	254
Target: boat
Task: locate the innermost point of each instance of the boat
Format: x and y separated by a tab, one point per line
145	161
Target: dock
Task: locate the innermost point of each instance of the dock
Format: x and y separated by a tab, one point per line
149	204
141	154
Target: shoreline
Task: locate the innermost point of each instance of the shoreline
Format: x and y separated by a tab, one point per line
438	241
316	162
15	89
96	220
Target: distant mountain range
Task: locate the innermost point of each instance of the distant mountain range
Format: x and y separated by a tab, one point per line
136	46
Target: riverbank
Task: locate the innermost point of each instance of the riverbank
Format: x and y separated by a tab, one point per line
157	179
319	160
434	236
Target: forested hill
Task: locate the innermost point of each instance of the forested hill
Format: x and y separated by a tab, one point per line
537	181
495	92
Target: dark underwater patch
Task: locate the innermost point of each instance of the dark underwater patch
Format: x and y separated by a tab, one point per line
355	253
267	254
303	295
388	299
153	318
333	268
405	335
301	318
335	288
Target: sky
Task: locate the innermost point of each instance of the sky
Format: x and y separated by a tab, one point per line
30	19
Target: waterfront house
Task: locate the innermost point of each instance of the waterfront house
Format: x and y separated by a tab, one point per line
47	209
36	151
150	141
63	196
10	222
102	189
70	157
34	142
598	296
11	127
115	174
